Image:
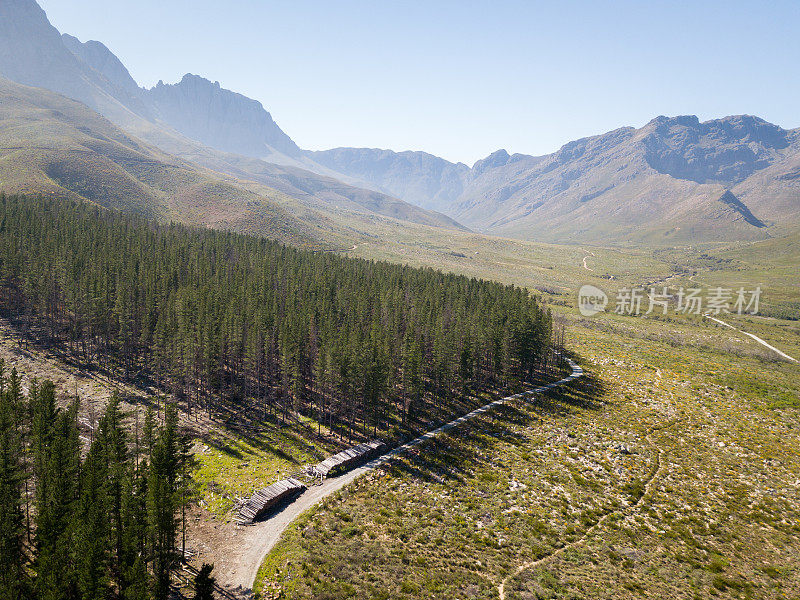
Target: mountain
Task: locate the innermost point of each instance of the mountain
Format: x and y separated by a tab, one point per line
194	120
725	151
417	177
219	118
675	179
57	147
32	52
101	59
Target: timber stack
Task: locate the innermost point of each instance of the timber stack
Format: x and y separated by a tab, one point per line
348	459
263	500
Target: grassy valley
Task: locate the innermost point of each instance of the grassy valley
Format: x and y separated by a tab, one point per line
194	308
669	472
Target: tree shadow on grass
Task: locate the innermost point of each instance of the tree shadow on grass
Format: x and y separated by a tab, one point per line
471	447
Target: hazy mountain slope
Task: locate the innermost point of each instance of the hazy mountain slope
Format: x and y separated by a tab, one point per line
220	118
101	59
668	180
318	192
55	146
675	179
32	53
416	177
52	145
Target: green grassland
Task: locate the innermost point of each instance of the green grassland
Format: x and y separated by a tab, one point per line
669	472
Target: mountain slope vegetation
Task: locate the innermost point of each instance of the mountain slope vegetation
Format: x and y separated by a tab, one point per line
57	147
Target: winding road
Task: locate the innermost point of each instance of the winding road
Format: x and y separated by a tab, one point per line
585	266
237	571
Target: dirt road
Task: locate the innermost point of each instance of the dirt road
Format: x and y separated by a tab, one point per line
236	571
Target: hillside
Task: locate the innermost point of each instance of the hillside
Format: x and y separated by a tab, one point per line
673	180
180	119
417	177
57	147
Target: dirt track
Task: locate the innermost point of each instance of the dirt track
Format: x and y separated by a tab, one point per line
236	570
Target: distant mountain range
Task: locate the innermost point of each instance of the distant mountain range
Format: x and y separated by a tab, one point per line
675	180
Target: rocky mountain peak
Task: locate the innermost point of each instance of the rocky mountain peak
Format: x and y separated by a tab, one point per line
205	111
726	150
496	159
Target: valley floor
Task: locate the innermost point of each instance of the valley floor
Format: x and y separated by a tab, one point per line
669	472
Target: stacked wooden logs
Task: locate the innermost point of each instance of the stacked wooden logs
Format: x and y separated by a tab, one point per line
263	500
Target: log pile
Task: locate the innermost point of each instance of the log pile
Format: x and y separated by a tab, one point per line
263	500
348	459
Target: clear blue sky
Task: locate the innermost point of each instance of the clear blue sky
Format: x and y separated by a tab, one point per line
457	78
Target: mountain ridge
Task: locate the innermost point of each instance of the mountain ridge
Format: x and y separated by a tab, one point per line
54	146
34	53
667	180
672	180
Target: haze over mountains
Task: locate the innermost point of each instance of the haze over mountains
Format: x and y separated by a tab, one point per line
32	52
673	180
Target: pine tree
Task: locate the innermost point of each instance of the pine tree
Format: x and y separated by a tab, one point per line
92	540
133	563
162	502
56	494
13	576
113	444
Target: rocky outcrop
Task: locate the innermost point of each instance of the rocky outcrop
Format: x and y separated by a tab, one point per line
724	150
220	118
496	159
